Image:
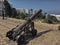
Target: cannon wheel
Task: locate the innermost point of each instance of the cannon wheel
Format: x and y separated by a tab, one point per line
34	32
21	40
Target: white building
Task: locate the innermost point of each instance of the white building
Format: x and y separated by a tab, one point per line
22	10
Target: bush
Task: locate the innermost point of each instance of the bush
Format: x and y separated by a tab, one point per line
21	16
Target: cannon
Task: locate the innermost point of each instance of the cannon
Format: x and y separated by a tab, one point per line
27	28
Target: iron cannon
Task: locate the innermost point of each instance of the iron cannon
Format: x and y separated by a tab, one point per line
27	28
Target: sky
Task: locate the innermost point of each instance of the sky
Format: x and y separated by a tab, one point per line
49	6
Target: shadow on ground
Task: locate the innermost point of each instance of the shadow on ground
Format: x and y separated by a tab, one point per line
29	38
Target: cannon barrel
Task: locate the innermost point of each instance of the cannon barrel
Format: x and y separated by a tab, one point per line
19	29
30	19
